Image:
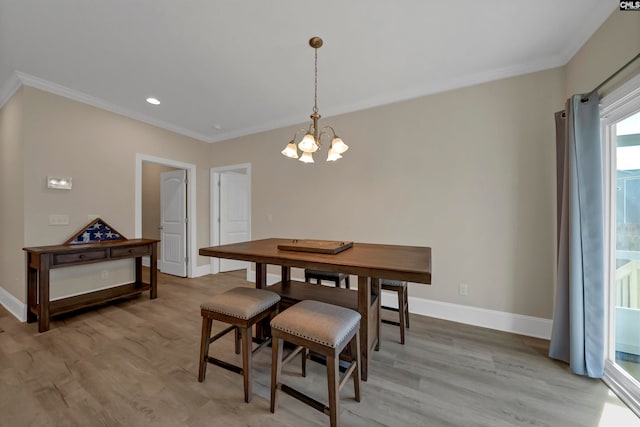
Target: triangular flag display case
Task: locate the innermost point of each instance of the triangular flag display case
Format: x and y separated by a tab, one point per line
96	231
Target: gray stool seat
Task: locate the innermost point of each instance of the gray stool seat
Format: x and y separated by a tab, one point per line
400	287
242	303
241	308
320	275
319	322
325	329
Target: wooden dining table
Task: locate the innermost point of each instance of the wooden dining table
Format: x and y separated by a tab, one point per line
368	261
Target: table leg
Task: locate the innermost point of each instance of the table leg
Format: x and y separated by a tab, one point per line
261	283
43	294
364	302
286	274
375	292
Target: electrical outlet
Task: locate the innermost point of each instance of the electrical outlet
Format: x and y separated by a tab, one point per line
463	289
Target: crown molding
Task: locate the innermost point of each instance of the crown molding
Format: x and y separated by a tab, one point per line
9	89
47	86
600	12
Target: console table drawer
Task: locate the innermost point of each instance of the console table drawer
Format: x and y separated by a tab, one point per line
130	252
79	257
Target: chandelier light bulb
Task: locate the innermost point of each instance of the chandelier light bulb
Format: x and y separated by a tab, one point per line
333	155
306	157
338	145
308	144
291	150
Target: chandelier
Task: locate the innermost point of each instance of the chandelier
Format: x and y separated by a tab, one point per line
312	139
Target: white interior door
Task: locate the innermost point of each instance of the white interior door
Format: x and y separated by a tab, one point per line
234	214
173	223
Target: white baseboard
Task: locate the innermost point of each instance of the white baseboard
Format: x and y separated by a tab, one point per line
499	320
13	305
201	270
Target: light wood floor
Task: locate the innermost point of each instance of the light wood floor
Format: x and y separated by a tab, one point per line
135	364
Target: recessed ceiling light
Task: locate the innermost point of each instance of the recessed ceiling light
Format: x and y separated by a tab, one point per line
153	101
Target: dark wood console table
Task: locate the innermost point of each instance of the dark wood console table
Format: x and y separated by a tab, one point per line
41	259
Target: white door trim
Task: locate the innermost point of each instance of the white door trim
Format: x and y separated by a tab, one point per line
215	206
191	203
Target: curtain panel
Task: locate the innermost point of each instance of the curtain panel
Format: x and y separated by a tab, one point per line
578	332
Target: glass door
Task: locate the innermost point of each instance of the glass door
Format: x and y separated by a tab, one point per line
620	118
626	292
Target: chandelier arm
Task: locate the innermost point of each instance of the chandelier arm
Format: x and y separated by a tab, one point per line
295	135
324	130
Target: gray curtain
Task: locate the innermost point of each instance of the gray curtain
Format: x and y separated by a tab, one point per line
578	333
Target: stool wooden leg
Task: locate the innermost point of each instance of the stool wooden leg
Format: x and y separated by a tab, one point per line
237	340
246	363
355	352
276	367
401	313
333	381
346	283
204	347
406	305
304	354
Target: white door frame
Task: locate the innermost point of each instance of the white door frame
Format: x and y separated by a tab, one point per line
192	251
215	206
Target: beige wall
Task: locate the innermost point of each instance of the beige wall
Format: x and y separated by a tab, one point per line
469	172
97	149
615	43
11	197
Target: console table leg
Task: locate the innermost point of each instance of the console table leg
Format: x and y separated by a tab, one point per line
43	294
153	272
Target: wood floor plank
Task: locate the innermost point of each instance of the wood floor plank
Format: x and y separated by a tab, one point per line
135	363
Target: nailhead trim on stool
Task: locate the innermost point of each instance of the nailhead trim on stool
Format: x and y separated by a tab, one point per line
241	308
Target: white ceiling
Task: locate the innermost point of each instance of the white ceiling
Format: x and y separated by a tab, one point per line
229	68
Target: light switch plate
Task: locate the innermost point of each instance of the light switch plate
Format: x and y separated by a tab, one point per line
58	219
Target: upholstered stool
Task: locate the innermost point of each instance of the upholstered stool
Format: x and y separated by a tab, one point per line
241	308
324	329
319	276
401	289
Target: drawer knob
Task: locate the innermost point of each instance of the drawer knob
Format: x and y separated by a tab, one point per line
81	256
